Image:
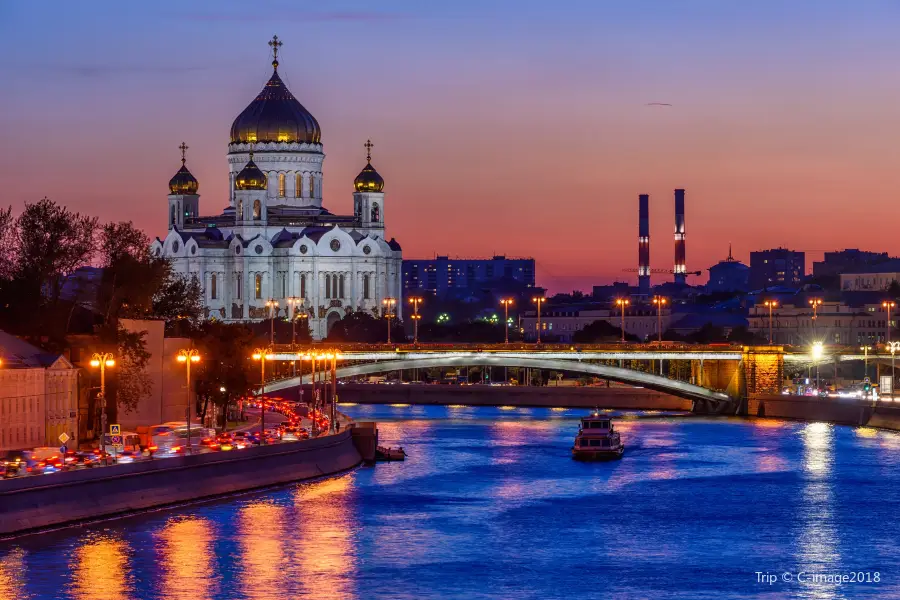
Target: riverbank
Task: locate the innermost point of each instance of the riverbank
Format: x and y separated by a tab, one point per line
627	398
38	502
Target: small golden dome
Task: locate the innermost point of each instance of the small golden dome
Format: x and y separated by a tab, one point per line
368	179
184	182
250	177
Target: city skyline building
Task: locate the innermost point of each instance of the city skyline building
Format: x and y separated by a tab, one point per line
776	267
443	274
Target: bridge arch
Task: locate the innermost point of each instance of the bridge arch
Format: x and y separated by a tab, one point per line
674	387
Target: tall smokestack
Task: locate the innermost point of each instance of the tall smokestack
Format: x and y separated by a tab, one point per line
680	269
644	244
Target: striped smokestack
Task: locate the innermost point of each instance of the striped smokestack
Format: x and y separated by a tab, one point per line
680	268
644	244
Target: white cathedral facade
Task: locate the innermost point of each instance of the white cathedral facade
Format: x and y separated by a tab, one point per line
275	241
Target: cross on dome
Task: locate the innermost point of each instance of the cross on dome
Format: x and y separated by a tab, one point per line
369	145
275	44
183	147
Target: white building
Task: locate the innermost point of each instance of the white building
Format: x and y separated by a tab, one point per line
835	322
560	323
275	240
38	396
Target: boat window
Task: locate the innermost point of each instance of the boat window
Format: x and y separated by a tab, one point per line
605	443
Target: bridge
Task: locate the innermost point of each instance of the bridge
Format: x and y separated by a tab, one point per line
716	378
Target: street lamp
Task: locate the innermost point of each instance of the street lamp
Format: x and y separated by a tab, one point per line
817	350
659	301
771	304
272	304
889	305
389	304
102	360
865	350
815	303
415	301
893	347
622	303
506	302
538	300
294	302
187	357
262	355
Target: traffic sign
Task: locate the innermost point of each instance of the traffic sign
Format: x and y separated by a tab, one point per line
115	429
64	437
115	440
63	449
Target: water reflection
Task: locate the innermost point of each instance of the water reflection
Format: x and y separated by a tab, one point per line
101	569
12	574
187	561
818	540
261	534
324	543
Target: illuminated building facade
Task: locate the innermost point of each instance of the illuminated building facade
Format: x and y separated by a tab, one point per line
275	240
443	274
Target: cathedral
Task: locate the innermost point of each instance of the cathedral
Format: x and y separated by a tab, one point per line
275	249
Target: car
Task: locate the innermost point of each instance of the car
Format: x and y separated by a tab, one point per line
209	443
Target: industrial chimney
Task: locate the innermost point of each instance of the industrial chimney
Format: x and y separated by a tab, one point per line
680	268
644	244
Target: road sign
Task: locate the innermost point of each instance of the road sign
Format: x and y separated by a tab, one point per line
115	440
64	437
63	449
115	429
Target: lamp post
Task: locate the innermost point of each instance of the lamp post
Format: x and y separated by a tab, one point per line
187	357
272	304
889	305
817	351
102	360
506	303
659	301
294	302
538	300
771	304
415	301
312	381
334	356
865	350
262	355
622	303
893	347
815	303
389	304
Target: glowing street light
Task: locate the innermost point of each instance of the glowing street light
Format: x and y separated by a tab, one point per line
102	360
889	305
389	304
659	301
771	304
815	303
622	303
865	350
262	355
818	349
294	302
187	357
506	302
272	304
415	301
893	347
538	300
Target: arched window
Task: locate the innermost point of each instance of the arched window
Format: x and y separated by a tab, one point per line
258	286
239	287
327	286
334	286
303	285
174	213
367	294
312	186
376	214
283	285
341	290
298	185
281	185
257	210
213	292
239	215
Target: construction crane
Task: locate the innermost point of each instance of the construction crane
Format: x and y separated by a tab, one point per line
663	271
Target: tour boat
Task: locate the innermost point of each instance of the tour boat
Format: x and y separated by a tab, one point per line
597	440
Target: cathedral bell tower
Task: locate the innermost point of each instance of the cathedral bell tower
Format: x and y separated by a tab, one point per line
250	195
184	202
368	199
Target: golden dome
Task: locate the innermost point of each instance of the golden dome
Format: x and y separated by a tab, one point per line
368	179
275	115
184	182
250	177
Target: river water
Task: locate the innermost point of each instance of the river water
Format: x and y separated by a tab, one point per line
489	504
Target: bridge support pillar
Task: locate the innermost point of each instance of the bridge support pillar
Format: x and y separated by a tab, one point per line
763	373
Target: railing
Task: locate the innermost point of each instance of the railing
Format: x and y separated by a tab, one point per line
501	347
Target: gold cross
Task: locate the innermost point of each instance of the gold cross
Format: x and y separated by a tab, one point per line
275	43
183	147
369	145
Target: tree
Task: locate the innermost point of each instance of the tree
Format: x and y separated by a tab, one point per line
601	331
362	327
226	349
742	335
480	331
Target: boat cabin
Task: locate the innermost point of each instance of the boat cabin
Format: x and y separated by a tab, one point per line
596	425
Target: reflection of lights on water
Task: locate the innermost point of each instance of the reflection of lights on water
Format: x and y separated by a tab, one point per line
458	406
866	432
188	559
12	574
100	566
818	448
768	423
399	405
559	409
262	535
818	540
507	408
341	403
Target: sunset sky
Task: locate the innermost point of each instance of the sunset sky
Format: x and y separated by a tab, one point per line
501	127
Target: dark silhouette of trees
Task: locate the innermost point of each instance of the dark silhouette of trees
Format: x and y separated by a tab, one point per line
601	331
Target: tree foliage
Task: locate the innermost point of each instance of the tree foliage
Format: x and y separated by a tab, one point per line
599	332
362	327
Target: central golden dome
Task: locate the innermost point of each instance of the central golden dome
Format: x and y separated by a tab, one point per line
275	116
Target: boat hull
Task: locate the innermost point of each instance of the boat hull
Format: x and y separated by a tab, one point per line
598	454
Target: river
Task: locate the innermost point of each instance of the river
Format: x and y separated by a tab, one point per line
489	504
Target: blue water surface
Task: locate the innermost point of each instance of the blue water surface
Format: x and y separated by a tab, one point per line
490	504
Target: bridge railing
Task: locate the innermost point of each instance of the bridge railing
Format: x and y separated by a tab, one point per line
511	347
